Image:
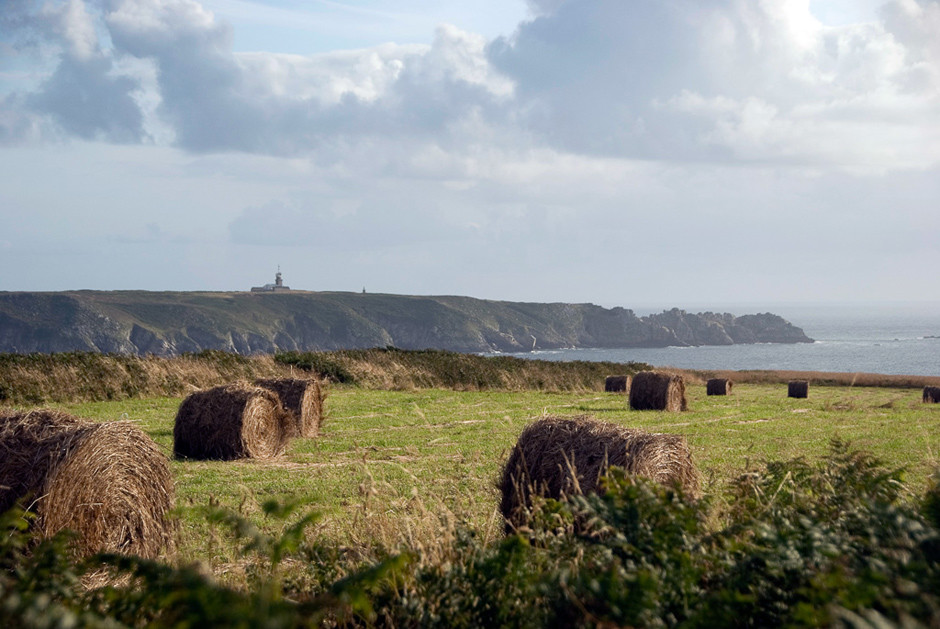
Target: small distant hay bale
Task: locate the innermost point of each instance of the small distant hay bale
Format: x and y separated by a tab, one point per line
557	456
617	384
653	391
718	386
931	395
108	482
303	399
798	389
233	421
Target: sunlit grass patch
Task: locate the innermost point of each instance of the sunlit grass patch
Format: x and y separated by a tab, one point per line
381	451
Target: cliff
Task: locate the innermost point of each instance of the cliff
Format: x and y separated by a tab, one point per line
169	323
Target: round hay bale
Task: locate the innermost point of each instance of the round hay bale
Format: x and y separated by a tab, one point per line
653	391
718	386
931	395
233	421
108	482
617	384
557	456
303	399
798	389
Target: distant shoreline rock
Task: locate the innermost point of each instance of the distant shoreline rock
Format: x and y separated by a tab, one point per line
171	323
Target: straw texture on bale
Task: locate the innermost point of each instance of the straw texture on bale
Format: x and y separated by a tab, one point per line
233	421
931	395
798	388
559	456
108	482
617	384
303	399
718	386
653	391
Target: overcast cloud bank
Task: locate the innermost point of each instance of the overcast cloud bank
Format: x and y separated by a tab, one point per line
669	150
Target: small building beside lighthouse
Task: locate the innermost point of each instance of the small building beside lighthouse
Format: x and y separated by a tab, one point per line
276	287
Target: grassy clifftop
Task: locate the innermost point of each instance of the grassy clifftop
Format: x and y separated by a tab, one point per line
170	323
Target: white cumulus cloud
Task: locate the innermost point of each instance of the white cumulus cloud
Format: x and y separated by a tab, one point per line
668	80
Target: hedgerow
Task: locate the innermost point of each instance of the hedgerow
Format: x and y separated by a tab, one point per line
90	376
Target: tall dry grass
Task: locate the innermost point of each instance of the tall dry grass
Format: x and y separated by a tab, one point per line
395	369
85	377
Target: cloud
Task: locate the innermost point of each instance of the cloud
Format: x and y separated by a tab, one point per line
533	224
74	25
541	7
734	80
197	77
17	124
84	96
88	101
217	100
916	25
728	81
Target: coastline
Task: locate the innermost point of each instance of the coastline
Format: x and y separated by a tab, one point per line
886	339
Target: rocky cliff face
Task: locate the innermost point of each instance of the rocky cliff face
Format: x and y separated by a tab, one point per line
247	323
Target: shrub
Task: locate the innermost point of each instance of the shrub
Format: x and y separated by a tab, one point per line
39	583
824	543
319	363
807	544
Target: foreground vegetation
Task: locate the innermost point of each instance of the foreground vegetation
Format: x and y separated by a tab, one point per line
389	518
800	543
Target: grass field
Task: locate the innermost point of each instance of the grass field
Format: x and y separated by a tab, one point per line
391	464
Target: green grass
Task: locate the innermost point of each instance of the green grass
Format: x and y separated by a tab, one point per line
409	534
395	456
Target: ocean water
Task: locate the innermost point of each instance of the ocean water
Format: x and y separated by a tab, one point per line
902	339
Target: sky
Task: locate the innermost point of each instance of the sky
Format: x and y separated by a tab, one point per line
604	151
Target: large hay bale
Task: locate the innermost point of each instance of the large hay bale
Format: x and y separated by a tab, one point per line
798	389
108	482
556	456
617	384
718	386
653	391
303	399
931	395
233	421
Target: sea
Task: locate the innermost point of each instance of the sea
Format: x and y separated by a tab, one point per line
882	338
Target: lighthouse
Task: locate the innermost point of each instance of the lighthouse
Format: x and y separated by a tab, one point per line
276	287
